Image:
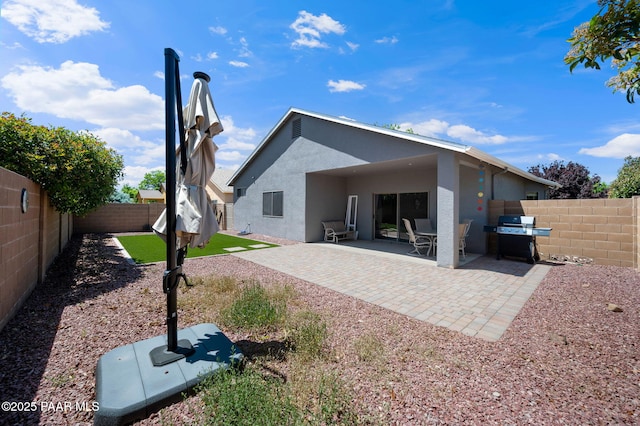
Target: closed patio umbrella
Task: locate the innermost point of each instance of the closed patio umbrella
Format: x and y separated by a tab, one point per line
195	219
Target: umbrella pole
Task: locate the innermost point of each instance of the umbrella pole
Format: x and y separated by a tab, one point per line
174	350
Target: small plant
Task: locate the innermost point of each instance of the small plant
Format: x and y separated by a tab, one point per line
254	310
368	348
307	333
322	396
247	398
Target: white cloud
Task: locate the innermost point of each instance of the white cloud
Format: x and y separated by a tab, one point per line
133	146
469	134
353	46
238	64
387	40
78	91
344	86
218	30
619	147
310	29
133	175
238	138
465	134
52	21
244	49
432	128
230	155
212	55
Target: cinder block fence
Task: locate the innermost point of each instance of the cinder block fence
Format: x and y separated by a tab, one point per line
599	231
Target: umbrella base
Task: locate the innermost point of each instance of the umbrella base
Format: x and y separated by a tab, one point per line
162	356
130	387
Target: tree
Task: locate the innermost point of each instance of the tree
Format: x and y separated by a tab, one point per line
627	184
575	180
613	33
130	191
153	180
76	169
120	197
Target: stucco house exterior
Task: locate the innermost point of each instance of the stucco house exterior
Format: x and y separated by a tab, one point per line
307	166
221	196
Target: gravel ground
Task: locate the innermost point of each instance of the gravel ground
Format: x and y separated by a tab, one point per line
566	358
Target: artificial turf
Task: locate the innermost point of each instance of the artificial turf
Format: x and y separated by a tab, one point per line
150	248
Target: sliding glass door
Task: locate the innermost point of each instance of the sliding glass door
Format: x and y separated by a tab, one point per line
386	216
390	209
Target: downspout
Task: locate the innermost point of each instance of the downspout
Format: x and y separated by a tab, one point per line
493	175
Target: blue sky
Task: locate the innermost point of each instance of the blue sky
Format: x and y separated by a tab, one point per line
485	74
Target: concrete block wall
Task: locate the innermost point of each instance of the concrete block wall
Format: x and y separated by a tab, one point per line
29	241
119	217
600	231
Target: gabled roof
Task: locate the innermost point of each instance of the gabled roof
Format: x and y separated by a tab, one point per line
439	143
220	177
150	194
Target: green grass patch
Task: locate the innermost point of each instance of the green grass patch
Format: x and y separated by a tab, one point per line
150	248
254	309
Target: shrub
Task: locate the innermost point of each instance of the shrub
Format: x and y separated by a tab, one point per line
77	170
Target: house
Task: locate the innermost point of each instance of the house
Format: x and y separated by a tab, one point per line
221	196
307	167
146	196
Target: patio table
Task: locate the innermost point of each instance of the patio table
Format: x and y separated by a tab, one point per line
431	236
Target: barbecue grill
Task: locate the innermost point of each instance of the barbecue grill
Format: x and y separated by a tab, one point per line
517	237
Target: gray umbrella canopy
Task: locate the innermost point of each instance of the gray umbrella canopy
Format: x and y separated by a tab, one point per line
195	220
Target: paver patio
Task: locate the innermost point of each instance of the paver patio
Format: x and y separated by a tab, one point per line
479	299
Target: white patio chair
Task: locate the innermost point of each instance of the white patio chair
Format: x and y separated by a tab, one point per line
463	230
418	243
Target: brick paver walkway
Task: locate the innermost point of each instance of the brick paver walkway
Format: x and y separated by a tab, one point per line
478	299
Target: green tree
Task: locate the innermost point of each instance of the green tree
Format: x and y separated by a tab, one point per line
76	169
613	33
153	180
627	184
130	191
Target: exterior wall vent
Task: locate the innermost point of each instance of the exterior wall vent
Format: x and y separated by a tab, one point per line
296	128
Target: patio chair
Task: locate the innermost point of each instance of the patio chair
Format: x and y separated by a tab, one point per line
418	243
423	225
463	230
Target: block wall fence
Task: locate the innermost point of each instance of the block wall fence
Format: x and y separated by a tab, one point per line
119	217
599	231
29	241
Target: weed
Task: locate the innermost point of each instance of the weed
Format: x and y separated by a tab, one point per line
322	396
307	333
368	348
247	398
254	310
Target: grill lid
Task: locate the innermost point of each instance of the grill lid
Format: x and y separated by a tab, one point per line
516	221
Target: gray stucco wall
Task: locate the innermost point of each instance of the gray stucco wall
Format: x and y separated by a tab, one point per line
299	167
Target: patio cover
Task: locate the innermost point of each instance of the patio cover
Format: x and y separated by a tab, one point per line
195	219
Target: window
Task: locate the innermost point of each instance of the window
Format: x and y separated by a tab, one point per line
272	203
240	192
532	195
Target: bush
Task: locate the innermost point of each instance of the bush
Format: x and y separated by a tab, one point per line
77	170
